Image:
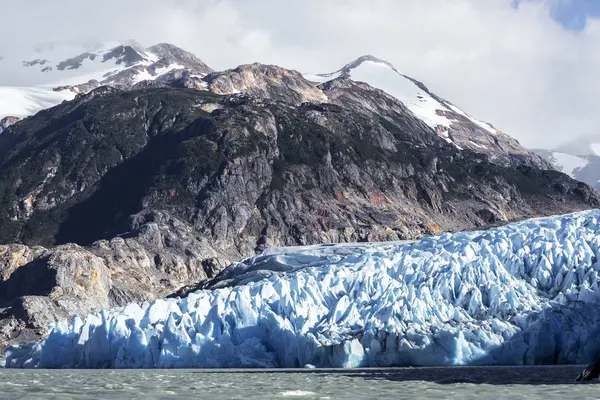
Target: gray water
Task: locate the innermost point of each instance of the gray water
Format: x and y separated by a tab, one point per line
403	383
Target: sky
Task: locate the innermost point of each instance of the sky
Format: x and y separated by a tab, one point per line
573	14
530	67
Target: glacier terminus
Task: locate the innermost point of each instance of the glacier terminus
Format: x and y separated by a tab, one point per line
520	294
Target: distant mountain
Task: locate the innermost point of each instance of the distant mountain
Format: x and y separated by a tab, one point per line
580	159
57	77
54	65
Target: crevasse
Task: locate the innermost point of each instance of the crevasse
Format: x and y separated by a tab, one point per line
525	293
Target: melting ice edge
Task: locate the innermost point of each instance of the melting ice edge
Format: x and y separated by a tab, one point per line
525	293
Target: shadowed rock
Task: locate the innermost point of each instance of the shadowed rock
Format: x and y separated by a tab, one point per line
590	372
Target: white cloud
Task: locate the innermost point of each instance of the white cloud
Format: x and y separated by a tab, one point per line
516	68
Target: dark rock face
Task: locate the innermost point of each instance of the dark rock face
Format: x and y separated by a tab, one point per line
126	55
32	63
148	192
75	62
590	373
245	172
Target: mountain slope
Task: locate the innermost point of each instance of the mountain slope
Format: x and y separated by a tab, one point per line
77	172
129	66
580	159
161	188
449	121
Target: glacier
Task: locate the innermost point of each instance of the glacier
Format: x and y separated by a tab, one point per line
524	293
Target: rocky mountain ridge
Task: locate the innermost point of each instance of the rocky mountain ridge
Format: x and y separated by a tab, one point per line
164	65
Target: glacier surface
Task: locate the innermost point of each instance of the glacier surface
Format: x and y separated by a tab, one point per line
525	293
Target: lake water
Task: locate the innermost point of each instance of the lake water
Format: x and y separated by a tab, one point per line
402	383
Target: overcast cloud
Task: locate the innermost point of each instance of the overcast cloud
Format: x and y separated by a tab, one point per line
514	67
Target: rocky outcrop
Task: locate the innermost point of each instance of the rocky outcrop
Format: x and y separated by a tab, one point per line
590	372
265	81
40	286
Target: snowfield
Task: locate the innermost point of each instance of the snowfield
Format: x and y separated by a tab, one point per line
569	164
25	101
525	293
33	90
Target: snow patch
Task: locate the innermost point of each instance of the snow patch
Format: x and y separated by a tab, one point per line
381	76
145	75
568	163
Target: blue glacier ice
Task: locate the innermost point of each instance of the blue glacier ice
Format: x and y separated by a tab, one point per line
525	293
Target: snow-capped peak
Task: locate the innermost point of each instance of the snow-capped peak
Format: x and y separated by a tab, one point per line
346	71
52	64
439	114
65	64
52	73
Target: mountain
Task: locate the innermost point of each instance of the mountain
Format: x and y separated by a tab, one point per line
57	77
129	65
449	121
139	188
580	159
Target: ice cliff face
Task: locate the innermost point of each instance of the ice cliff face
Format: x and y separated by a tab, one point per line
526	293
